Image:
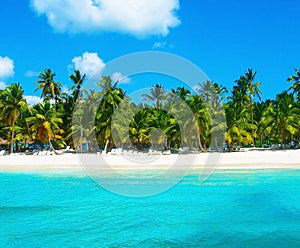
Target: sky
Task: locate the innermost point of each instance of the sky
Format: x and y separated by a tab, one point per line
223	38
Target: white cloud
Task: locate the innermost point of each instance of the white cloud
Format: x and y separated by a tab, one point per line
88	63
6	67
162	45
32	100
117	76
158	45
2	85
136	17
31	74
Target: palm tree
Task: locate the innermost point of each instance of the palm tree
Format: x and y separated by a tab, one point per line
157	95
12	104
112	96
45	122
24	133
139	128
202	117
84	118
253	91
66	108
182	92
167	130
253	87
50	89
242	100
283	117
238	125
78	81
296	83
262	131
106	84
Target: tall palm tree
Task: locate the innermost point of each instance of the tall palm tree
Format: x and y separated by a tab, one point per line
254	91
12	104
83	120
243	95
78	80
51	89
202	117
112	96
253	87
296	83
262	131
66	108
46	121
246	88
157	95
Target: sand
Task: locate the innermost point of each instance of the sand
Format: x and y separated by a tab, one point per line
289	159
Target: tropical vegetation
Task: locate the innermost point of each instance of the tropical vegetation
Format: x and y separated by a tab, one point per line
105	117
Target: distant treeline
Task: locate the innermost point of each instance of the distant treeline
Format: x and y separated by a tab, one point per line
105	117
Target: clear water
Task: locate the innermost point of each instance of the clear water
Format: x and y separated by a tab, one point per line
245	209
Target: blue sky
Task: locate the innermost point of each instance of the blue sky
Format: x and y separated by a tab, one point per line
223	38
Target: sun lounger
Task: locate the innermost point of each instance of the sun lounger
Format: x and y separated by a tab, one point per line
117	151
167	152
184	150
42	153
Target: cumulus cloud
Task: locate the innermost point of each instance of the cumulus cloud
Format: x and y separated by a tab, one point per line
6	67
88	63
117	76
2	85
136	17
32	100
92	65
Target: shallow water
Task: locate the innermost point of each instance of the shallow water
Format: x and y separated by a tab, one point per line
244	209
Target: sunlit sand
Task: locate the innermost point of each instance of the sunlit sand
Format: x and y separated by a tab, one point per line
70	162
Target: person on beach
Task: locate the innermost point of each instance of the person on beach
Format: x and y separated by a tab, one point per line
292	144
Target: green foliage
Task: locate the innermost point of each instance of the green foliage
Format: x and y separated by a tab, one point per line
106	117
50	88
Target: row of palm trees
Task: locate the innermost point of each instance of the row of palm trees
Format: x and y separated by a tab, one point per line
106	117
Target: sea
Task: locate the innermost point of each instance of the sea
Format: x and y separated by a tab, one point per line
241	208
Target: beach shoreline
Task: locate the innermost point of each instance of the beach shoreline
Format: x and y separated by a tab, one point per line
251	160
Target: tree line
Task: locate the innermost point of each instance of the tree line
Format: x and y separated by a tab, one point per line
165	120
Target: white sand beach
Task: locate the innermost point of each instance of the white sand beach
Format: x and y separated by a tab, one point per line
221	161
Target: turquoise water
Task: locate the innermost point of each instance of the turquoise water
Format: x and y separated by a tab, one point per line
245	209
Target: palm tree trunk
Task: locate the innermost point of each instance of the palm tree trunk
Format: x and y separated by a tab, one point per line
12	138
106	144
252	121
50	144
200	143
260	141
282	139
